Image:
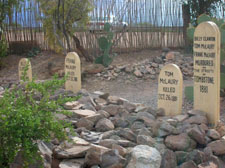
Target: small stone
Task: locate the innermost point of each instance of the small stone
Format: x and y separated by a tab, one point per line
126	143
208	165
145	140
181	118
94	118
155	65
112	159
221	129
108	143
100	102
129	69
70	153
181	156
115	100
72	163
197	134
104	96
169	159
180	142
196	156
160	112
71	105
112	109
144	156
94	68
122	151
196	112
127	134
218	147
83	113
212	133
83	122
138	74
188	164
104	113
94	155
170	56
197	119
104	125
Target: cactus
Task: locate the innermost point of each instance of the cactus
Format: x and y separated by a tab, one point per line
105	45
190	34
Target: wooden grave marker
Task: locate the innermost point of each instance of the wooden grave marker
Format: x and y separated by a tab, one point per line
206	48
23	63
73	72
170	89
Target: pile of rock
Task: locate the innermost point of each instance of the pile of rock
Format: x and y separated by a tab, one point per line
114	133
147	69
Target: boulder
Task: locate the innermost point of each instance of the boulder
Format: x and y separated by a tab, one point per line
112	159
143	156
180	142
104	125
169	159
198	135
218	147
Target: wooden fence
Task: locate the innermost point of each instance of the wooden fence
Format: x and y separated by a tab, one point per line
150	24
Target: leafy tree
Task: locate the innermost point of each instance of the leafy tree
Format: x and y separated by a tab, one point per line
6	9
198	7
60	18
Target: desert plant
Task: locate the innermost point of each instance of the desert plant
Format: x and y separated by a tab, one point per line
105	44
190	33
27	114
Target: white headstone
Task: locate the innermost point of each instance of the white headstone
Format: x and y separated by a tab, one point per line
25	64
73	72
170	89
207	70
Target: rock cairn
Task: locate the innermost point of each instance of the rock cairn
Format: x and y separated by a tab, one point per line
146	69
112	132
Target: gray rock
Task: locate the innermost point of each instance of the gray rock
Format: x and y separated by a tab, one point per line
94	155
70	153
218	147
197	119
181	157
72	163
180	142
197	134
169	160
212	133
112	159
108	142
127	134
104	125
83	122
143	156
112	109
145	140
188	164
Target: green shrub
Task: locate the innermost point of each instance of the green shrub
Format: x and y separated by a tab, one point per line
27	114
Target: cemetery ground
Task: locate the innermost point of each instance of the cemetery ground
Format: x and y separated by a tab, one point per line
137	89
113	132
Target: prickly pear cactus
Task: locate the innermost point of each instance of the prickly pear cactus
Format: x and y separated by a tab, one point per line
105	45
190	34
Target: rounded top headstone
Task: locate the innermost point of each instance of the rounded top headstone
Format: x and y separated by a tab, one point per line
170	89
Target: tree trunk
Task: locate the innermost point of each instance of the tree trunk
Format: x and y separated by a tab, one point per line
186	21
81	50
